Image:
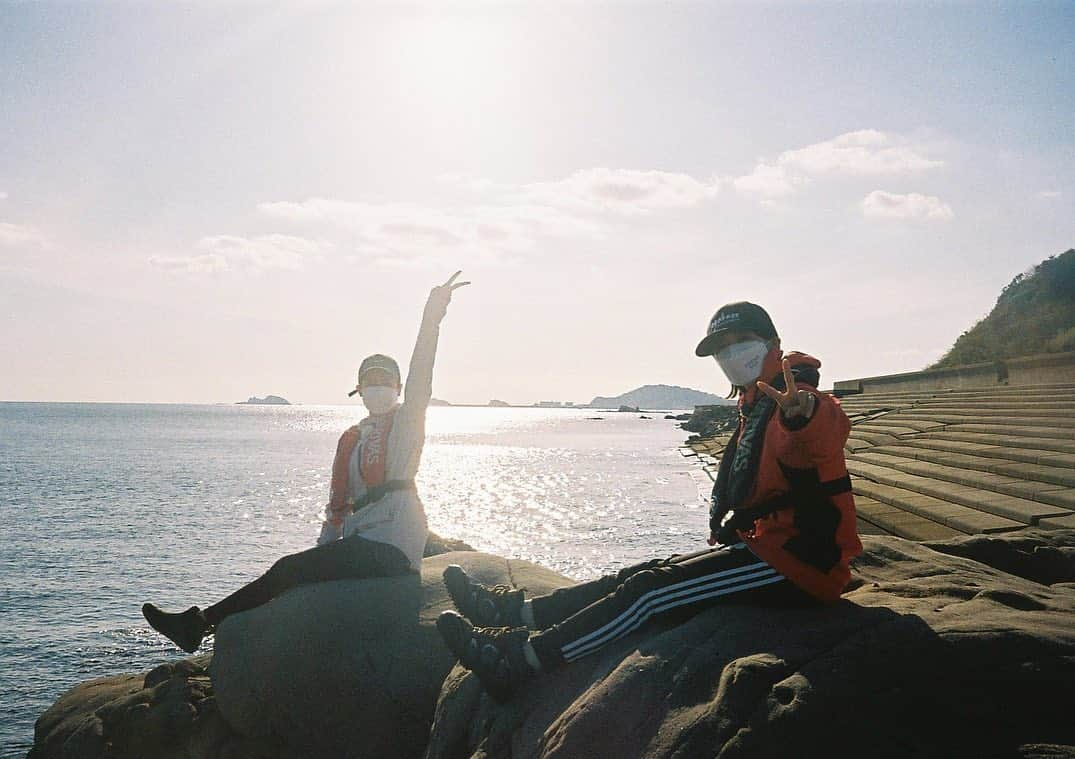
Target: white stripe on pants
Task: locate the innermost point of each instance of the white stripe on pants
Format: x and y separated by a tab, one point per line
683	593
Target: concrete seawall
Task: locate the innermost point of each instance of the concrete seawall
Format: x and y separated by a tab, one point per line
1029	370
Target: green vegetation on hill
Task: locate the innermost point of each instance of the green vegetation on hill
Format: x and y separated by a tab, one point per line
1035	313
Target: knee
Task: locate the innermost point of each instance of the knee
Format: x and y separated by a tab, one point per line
281	568
640	583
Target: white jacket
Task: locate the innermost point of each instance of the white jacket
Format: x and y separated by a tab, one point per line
399	518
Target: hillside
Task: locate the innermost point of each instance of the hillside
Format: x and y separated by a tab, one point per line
659	397
1035	313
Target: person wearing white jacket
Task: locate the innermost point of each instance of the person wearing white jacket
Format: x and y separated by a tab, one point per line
375	523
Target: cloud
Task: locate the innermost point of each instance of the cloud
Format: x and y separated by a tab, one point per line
16	234
227	252
768	181
622	190
865	153
200	264
391	230
1050	194
912	206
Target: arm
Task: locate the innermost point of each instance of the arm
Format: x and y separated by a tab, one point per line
419	387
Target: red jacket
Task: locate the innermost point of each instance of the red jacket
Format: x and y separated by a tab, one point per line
814	450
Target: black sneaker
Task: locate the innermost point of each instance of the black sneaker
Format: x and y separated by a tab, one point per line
185	629
498	606
494	654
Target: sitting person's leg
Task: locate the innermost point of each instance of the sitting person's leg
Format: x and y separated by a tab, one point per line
503	606
694	580
352	557
504	657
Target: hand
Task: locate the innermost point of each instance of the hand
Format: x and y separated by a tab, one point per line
712	539
441	296
793	402
329	533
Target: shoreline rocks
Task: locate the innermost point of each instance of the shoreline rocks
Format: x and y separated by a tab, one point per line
929	654
955	648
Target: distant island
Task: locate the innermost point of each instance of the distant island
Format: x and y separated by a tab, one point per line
268	400
659	397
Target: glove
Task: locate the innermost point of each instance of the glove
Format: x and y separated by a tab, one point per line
329	533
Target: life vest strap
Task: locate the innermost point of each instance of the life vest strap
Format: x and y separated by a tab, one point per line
376	493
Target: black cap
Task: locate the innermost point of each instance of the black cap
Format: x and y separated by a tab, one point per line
741	316
376	361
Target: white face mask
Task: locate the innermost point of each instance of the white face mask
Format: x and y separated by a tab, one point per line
379	399
741	362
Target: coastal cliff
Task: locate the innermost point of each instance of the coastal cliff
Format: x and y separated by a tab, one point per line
957	648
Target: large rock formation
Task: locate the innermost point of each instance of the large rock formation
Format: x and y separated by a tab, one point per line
342	669
931	654
962	648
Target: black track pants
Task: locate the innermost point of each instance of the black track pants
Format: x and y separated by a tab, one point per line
349	558
581	619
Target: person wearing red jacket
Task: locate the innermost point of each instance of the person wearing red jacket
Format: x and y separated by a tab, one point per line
782	513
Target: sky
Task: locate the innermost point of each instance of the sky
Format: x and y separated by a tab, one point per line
200	202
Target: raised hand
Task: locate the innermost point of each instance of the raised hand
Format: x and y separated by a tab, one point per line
441	295
793	401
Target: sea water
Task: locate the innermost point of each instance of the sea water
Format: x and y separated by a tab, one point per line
105	506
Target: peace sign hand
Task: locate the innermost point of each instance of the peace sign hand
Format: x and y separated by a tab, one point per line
441	295
793	401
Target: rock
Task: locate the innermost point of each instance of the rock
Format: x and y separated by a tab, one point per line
628	409
341	669
930	654
436	545
167	713
709	421
349	668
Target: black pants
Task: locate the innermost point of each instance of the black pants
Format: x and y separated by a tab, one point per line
579	620
350	558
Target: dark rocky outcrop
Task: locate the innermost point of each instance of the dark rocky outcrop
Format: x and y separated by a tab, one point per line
930	654
342	669
960	648
709	421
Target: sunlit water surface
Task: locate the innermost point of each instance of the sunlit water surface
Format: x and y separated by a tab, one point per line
105	506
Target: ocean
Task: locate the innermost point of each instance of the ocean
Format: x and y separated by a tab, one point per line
105	506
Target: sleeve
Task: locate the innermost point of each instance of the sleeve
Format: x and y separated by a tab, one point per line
419	387
337	498
819	439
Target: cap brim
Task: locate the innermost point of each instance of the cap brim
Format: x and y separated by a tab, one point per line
705	348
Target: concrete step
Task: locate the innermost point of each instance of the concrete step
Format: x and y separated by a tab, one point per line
1060	496
998	428
1011	404
865	527
873	438
988	414
1060	523
954	515
1026	455
1004	441
917	425
1062	476
902	523
1004	505
885	429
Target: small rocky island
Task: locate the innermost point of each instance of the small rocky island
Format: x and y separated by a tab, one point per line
268	400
